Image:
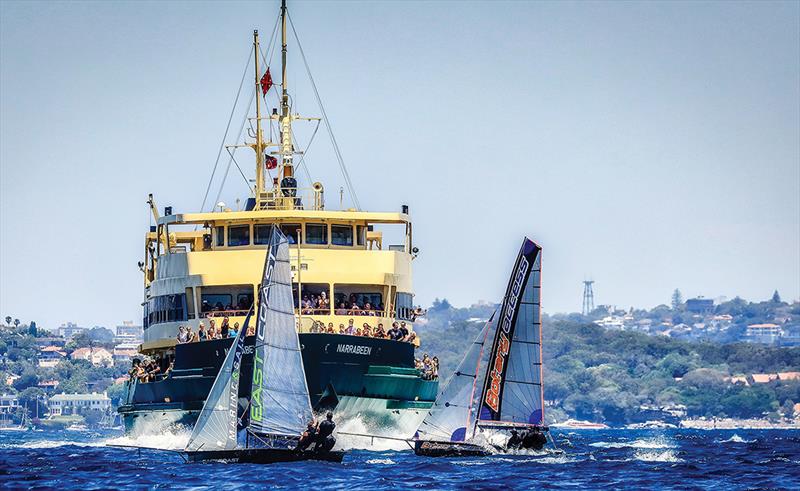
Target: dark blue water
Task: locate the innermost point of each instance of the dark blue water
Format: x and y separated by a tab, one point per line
634	459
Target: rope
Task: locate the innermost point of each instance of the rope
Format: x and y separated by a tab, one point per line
338	153
225	136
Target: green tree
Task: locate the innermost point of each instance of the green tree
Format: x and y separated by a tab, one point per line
776	298
16	322
32	329
8	320
29	378
117	393
677	299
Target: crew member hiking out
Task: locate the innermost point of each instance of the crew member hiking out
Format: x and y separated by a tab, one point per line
325	439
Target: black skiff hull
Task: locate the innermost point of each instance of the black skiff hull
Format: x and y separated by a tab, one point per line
264	455
442	449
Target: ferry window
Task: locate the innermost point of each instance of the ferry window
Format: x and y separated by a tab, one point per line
261	234
357	299
290	231
404	306
316	298
361	233
244	301
220	236
316	233
342	235
216	302
238	235
165	308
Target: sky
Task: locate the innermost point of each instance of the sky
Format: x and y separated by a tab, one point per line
645	145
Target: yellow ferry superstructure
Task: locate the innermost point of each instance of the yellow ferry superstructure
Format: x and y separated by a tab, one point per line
208	265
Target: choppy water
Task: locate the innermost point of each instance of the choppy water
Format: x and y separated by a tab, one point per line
634	459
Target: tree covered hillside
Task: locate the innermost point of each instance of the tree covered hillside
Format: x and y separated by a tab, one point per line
608	375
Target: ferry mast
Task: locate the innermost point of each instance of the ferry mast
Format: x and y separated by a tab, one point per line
284	190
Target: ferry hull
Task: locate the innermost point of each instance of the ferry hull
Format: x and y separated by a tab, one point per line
365	381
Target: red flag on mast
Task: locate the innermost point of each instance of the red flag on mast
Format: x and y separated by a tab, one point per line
266	82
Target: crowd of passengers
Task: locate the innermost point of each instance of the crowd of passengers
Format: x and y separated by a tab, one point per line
429	367
225	330
150	369
321	304
398	331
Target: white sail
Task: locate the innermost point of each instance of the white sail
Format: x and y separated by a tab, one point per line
279	403
216	427
453	411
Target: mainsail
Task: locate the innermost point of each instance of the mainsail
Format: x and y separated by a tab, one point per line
216	427
449	417
279	403
513	387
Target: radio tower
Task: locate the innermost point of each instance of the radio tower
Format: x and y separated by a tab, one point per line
588	297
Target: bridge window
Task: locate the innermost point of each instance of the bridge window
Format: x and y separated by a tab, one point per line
220	236
165	308
238	235
361	234
342	235
405	306
290	231
316	233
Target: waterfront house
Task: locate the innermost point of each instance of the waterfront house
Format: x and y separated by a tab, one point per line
8	404
67	404
97	356
50	356
763	333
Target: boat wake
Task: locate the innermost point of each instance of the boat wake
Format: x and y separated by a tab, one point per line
168	440
41	444
656	456
356	426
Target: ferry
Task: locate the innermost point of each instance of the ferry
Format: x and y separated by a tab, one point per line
206	266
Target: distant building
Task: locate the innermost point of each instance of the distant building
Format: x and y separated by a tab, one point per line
611	322
123	353
791	335
51	356
8	404
97	356
69	330
763	333
700	305
764	378
48	384
67	404
784	376
128	333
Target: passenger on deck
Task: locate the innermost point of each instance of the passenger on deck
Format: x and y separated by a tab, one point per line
358	332
403	332
251	330
212	329
225	328
394	332
342	310
379	332
351	329
366	330
169	369
330	328
202	335
324	302
134	370
368	309
182	337
234	330
341	328
412	338
355	310
192	335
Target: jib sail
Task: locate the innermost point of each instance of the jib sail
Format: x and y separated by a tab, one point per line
454	409
216	427
513	387
279	403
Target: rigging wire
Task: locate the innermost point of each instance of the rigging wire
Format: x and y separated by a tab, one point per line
225	136
338	153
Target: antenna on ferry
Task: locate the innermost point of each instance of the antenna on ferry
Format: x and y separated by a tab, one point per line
285	118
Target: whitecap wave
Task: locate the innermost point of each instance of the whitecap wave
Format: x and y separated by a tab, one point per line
648	443
656	456
736	439
381	461
349	431
38	444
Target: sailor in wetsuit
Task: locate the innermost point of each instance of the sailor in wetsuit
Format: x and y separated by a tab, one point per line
325	439
307	438
534	439
514	441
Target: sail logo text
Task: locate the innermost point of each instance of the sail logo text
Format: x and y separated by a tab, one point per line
352	349
511	305
493	394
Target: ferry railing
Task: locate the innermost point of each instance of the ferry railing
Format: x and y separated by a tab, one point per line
293	199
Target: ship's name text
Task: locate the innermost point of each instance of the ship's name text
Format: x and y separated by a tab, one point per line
352	349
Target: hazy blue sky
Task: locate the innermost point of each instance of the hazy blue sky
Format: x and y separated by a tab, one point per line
647	145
